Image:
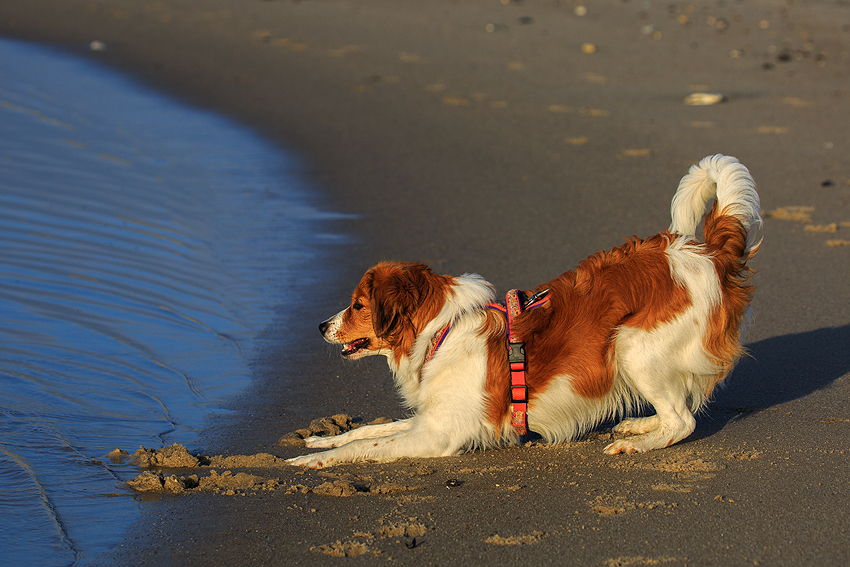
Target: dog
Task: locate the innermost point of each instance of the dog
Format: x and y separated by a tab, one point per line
655	321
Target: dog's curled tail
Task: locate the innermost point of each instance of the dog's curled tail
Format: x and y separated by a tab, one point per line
725	178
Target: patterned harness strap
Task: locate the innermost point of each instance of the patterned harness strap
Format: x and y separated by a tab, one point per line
515	304
437	340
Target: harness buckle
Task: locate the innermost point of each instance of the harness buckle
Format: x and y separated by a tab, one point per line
539	296
516	352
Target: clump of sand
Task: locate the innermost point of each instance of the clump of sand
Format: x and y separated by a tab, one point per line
322	426
260	460
529	539
157	482
336	488
177	456
614	505
344	488
680	462
340	549
403	529
228	482
629	561
795	213
172	457
118	455
225	483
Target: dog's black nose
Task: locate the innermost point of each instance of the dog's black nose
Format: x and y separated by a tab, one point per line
323	326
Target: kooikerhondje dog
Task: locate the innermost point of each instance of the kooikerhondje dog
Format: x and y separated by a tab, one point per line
654	321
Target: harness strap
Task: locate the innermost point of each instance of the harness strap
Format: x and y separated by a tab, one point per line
437	340
517	364
515	304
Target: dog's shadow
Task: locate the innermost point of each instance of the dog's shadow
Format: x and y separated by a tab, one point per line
778	370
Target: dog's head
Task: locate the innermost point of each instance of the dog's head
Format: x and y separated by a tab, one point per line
390	306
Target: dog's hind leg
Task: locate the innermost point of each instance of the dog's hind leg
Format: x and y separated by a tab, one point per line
637	425
672	422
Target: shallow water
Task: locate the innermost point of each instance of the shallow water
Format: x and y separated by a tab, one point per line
143	245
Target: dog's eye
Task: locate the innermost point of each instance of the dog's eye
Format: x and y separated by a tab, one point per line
357	306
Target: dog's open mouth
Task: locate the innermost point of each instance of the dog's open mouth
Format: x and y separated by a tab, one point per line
355	346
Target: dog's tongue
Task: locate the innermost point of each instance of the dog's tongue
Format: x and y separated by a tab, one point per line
354	346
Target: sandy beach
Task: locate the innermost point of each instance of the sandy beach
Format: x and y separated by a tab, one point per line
513	139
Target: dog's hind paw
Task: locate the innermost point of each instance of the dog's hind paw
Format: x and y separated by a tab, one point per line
316	442
623	446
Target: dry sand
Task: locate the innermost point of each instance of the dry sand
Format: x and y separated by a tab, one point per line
408	491
514	139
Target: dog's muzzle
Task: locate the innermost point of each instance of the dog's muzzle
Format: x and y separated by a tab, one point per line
323	326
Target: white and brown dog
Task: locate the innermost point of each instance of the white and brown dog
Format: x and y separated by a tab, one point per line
654	321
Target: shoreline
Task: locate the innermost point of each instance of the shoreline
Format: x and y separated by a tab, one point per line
96	361
445	141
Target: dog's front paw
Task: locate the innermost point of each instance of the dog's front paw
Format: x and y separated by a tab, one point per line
320	442
317	461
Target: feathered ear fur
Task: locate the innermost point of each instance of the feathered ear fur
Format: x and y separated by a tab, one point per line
397	291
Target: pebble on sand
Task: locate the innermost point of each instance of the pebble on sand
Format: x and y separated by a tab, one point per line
704	99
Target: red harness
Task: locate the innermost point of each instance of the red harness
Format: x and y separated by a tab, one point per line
515	304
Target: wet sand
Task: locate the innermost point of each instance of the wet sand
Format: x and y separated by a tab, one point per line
513	140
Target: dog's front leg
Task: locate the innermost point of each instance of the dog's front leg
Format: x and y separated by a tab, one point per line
364	432
410	443
450	416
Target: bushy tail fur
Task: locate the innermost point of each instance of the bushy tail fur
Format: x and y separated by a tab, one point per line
725	178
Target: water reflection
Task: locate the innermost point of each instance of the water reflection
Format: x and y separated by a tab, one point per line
142	246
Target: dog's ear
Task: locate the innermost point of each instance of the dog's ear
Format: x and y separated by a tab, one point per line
397	291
